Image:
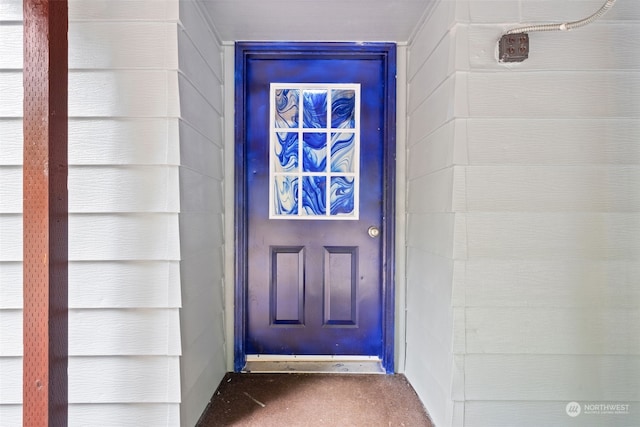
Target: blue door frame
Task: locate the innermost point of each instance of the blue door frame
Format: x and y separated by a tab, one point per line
385	53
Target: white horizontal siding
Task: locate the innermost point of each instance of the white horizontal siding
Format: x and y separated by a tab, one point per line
424	42
575	94
443	234
94	189
202	75
125	237
443	105
104	189
441	62
432	184
425	379
129	45
11	189
11	141
548	49
553	188
117	284
436	100
111	379
204	364
522	198
542	330
10	284
431	306
112	45
103	284
552	377
10	214
200	276
441	149
124	250
123	415
152	93
453	179
11	237
11	46
105	141
11	385
529	414
154	332
199	112
10	333
201	218
493	11
204	91
124	282
205	155
544	10
517	141
432	232
123	10
12	94
124	141
123	189
566	236
97	332
204	228
10	10
551	283
11	415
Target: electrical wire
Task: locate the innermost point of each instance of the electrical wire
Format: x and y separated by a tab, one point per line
567	26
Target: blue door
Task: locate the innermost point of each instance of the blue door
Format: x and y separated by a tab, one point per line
314	178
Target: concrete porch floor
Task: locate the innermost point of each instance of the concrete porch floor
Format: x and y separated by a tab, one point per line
303	399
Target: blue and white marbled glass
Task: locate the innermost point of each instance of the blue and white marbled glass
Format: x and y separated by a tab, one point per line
287	103
314	152
314	196
314	112
343	114
285	195
342	195
286	152
343	148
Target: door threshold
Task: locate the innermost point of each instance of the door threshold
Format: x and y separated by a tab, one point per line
275	363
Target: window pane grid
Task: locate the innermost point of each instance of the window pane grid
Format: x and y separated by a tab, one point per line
314	151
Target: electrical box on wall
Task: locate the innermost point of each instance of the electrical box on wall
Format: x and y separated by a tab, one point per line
513	47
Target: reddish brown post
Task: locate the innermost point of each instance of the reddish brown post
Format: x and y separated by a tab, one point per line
45	212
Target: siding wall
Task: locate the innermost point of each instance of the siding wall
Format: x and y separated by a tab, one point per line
201	211
10	213
124	207
124	249
435	151
524	216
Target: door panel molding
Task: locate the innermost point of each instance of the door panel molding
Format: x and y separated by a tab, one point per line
384	52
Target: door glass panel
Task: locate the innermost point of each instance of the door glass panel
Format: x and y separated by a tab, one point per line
343	111
343	152
286	112
314	152
285	158
314	170
286	190
315	108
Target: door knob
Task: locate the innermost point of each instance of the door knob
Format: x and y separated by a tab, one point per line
373	231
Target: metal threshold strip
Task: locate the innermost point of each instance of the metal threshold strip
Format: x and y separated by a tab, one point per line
276	363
